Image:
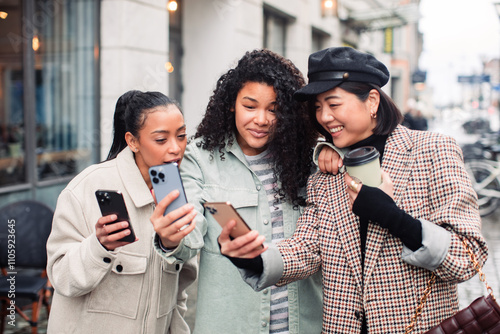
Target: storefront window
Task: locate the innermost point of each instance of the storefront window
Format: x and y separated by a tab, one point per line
276	25
64	87
12	130
56	130
275	33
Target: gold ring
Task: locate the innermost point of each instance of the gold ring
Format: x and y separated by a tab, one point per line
353	185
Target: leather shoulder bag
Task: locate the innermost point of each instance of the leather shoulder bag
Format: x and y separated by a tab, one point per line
482	316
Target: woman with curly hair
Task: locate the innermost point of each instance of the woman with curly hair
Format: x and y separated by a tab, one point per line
253	148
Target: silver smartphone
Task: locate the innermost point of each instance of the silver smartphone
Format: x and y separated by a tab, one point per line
165	179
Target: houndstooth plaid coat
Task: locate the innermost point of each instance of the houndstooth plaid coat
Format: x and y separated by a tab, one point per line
430	182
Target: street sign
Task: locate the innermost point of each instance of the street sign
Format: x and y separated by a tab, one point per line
473	78
418	76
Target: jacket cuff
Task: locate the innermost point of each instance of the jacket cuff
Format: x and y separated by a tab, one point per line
103	257
273	270
319	147
436	242
171	256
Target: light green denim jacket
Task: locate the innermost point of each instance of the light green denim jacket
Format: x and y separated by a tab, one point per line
226	304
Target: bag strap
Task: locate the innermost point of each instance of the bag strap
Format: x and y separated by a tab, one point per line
432	280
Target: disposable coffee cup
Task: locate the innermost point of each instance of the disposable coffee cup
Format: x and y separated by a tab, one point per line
363	164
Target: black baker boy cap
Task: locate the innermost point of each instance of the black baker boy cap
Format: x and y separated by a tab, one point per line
330	67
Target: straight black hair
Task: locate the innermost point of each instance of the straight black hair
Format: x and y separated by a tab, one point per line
388	114
131	111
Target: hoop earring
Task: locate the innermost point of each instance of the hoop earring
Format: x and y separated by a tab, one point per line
373	114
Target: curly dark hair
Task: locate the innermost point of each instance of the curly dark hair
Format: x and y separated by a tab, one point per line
294	135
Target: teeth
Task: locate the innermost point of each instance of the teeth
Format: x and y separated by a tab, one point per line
337	129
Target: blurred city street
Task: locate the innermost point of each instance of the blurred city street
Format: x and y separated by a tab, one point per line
474	288
451	122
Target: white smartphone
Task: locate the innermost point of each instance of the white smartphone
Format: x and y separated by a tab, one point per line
165	179
223	212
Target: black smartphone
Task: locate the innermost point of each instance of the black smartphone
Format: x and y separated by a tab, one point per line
112	202
165	179
223	212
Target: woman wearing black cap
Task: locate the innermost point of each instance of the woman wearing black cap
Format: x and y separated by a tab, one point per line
376	247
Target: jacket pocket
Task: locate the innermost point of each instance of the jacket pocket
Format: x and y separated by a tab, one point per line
169	285
120	291
245	201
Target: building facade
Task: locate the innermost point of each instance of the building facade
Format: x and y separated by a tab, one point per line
63	65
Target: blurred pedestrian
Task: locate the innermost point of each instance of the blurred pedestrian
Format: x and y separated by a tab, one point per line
102	284
414	119
376	247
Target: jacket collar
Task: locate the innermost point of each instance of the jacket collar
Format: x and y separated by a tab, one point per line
398	160
132	178
236	150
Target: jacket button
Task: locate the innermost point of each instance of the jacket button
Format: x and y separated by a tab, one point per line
119	268
266	221
358	315
258	187
266	291
177	266
107	260
263	324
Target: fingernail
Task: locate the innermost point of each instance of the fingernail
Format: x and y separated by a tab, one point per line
124	224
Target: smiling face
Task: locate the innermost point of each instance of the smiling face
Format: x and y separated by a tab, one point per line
347	118
254	116
161	139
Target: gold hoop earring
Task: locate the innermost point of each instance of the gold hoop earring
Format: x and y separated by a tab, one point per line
373	114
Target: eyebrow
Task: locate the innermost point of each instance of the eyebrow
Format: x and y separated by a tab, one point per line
249	98
256	101
165	131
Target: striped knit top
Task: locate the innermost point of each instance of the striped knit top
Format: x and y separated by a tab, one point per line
262	167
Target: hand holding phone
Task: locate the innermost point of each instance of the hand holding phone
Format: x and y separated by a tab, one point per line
112	202
223	212
165	179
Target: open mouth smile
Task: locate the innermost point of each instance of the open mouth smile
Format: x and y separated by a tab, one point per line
336	129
